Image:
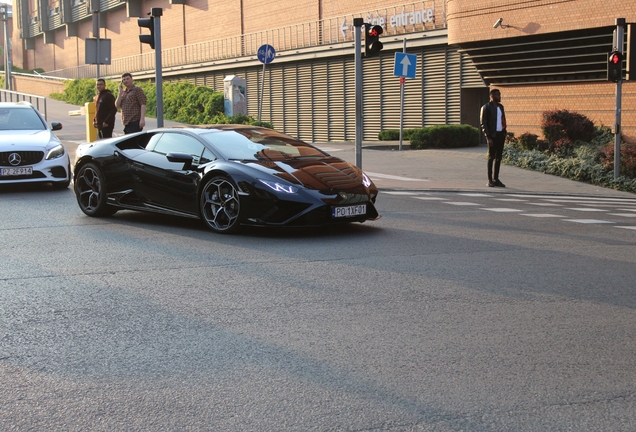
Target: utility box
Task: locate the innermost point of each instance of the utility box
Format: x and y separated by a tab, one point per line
91	131
235	98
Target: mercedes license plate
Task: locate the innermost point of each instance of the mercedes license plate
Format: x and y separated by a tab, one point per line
16	171
349	211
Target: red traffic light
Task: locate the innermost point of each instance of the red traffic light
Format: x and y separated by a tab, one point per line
614	58
615	66
375	31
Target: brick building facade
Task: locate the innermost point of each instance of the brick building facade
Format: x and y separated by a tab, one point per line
311	78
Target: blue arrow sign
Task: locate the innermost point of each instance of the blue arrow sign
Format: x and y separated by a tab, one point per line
405	65
266	54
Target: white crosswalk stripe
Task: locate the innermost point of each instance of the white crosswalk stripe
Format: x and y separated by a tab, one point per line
565	208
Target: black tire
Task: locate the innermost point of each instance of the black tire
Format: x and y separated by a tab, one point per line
220	205
90	191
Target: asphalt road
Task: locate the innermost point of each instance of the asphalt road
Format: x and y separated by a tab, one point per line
447	314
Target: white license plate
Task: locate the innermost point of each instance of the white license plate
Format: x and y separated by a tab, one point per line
16	171
349	211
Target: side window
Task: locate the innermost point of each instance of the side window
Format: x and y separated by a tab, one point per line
208	156
176	142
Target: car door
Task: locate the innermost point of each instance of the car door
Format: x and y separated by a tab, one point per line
169	185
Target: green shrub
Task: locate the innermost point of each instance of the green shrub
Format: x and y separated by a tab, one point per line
627	165
394	134
182	101
581	165
559	124
445	136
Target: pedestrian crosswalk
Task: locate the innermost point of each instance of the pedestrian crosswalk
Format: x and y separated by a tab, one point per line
616	212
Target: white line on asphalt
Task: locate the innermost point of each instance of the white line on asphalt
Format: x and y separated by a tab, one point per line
502	210
392	177
462	203
587	221
585	209
403	193
546	204
541	215
626	227
475	194
623	214
434	199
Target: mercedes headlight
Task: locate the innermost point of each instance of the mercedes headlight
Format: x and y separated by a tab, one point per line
55	152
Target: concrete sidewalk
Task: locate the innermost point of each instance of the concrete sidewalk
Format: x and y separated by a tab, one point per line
391	169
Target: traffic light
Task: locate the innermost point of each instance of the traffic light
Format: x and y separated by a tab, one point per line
372	44
615	66
147	38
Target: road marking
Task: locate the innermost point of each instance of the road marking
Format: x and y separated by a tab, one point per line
585	209
460	203
392	177
511	199
475	194
502	210
623	214
626	227
541	215
588	221
435	199
546	204
403	193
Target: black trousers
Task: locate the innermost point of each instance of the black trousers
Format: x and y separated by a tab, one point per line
495	153
103	132
132	127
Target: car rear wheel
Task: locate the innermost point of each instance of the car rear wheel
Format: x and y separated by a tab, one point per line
90	191
220	205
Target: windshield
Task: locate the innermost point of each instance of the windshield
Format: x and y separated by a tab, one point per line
20	119
247	144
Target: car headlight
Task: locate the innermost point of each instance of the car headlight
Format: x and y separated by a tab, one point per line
280	187
55	152
366	181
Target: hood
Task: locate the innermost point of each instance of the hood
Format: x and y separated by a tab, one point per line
319	174
35	140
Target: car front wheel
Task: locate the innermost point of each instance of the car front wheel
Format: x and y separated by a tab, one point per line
90	191
220	205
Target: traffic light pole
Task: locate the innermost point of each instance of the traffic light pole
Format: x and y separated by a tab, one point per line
357	24
157	13
620	28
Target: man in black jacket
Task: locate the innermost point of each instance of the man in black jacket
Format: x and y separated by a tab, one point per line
493	125
105	110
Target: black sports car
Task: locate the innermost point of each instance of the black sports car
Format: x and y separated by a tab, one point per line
227	175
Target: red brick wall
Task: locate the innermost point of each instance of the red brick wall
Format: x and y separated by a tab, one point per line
35	86
524	105
473	20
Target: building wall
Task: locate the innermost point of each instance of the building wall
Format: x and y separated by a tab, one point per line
473	20
525	104
36	86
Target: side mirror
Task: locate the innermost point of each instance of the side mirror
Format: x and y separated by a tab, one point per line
185	158
56	126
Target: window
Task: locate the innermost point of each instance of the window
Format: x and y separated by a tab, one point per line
179	143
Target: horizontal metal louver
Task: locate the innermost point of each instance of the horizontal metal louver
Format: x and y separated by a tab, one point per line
579	55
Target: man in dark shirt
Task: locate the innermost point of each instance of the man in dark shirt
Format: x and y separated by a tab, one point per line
493	125
105	110
132	101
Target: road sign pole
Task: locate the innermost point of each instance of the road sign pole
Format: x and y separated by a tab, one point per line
266	54
357	24
402	99
157	13
260	100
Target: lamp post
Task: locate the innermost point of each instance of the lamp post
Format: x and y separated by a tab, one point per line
4	16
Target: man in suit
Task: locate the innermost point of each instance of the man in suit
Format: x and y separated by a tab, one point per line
493	125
